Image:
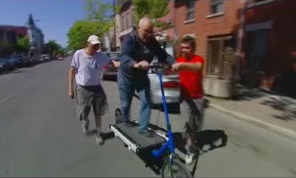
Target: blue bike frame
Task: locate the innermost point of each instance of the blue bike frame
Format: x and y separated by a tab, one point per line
170	142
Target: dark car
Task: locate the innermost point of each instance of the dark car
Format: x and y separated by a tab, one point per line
109	70
3	65
26	61
17	61
6	64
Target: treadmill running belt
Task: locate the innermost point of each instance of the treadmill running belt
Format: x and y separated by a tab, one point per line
143	141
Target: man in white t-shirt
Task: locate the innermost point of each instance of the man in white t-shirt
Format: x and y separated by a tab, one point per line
86	68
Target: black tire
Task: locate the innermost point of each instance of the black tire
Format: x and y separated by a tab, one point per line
175	170
117	115
103	77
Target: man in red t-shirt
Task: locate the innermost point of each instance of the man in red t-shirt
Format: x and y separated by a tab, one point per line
192	106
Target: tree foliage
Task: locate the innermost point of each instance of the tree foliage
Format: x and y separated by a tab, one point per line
5	49
23	44
99	20
153	9
80	31
52	48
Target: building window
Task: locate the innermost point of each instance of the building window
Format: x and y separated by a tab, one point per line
254	3
123	23
128	20
257	42
221	56
216	6
131	19
190	15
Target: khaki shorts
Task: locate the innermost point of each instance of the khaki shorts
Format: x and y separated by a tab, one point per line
91	96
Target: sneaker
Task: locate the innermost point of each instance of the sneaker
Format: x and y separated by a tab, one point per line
147	133
189	158
85	127
99	139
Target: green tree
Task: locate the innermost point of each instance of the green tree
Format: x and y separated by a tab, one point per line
5	49
23	44
52	48
153	9
99	20
100	12
80	31
62	51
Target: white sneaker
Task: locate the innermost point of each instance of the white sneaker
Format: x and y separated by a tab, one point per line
99	139
84	127
189	158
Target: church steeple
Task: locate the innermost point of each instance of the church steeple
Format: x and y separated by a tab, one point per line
31	21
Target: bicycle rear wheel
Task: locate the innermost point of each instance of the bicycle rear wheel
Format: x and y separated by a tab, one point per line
175	170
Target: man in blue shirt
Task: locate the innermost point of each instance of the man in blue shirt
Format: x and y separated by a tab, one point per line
138	50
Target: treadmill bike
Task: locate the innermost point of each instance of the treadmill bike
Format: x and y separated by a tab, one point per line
172	166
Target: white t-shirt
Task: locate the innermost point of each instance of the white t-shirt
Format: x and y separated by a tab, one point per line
89	67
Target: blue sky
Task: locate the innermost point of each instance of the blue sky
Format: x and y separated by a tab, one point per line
55	16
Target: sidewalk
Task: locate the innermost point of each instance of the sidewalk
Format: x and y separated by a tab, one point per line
273	112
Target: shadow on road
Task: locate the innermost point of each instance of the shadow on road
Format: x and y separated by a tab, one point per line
153	163
286	105
106	136
207	140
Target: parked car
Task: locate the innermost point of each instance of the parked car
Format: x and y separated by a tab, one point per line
7	64
59	57
3	65
26	61
171	83
44	58
16	61
109	70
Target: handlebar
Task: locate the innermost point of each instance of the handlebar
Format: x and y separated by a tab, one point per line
158	68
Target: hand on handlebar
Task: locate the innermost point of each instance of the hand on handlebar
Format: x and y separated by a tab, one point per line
143	65
161	68
177	67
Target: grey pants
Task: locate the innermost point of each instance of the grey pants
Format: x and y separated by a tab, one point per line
91	96
192	116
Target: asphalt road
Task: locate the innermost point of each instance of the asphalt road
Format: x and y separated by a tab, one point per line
41	136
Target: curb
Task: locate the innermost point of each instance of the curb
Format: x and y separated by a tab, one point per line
280	130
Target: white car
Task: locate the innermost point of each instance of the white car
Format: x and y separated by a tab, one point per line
171	83
171	89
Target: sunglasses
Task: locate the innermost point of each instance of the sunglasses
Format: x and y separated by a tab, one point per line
95	46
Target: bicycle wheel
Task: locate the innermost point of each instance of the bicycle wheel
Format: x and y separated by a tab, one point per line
174	170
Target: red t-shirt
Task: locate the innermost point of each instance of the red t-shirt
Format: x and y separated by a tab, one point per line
191	81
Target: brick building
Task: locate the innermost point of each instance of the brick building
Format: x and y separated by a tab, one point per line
215	25
251	40
269	43
9	35
126	22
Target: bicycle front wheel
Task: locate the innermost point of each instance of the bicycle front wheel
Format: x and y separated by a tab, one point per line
175	170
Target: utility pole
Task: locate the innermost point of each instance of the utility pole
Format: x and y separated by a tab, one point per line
240	40
114	16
